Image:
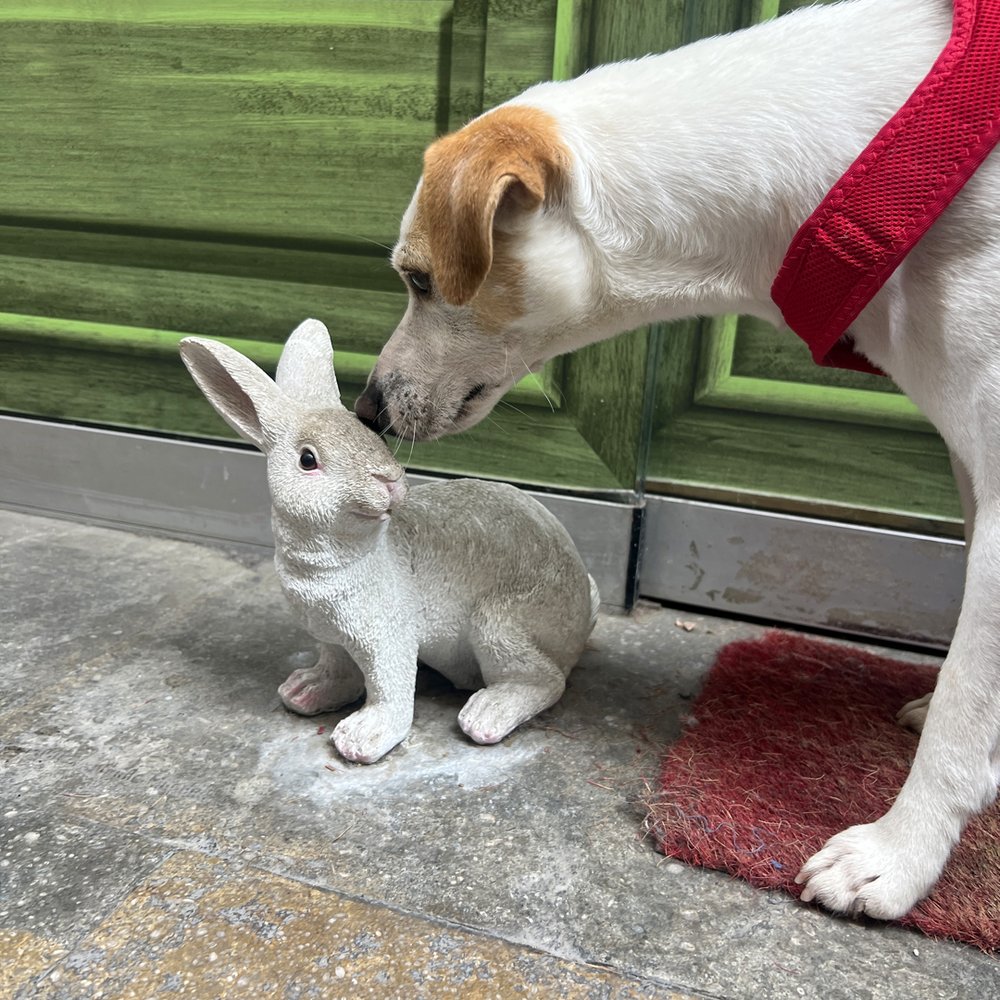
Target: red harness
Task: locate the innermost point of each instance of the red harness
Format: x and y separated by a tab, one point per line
877	212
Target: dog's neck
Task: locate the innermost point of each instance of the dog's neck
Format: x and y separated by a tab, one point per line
692	172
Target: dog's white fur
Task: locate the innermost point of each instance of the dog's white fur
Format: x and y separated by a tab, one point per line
671	186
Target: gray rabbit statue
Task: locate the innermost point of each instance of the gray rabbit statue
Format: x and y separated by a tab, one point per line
475	579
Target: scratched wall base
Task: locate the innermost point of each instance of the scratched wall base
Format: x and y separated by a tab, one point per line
848	578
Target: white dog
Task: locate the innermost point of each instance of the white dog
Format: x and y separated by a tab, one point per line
671	186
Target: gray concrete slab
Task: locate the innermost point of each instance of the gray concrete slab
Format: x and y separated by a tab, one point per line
139	719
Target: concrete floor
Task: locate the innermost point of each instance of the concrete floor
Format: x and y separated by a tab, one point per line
169	829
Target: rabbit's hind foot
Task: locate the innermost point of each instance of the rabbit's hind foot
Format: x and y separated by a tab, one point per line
334	681
499	708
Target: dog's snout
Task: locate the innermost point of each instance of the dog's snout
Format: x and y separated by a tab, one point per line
370	407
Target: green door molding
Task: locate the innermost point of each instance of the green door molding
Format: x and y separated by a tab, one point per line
719	383
788	435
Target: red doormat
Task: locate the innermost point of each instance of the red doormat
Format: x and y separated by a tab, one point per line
791	741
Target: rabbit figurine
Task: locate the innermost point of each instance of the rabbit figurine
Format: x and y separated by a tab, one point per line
474	578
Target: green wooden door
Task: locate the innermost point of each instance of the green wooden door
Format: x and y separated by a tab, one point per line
227	169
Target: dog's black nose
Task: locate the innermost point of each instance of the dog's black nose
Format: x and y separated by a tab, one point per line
370	408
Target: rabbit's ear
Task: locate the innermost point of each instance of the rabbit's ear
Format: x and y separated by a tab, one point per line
305	370
242	394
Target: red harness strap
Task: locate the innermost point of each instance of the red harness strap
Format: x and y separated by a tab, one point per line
877	212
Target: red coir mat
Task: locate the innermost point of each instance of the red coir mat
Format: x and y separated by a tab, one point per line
791	741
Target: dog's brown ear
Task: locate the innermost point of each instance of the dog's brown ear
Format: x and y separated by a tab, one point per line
512	154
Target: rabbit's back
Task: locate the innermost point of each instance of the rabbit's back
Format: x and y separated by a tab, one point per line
489	528
478	547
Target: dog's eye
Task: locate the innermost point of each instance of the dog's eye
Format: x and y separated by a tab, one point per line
420	282
307	460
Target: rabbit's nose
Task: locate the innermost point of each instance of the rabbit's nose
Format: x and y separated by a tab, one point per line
396	488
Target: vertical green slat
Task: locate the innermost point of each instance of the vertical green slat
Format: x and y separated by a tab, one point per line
608	387
572	39
466	59
718	338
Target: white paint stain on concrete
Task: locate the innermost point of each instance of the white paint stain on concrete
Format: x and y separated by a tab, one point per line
304	764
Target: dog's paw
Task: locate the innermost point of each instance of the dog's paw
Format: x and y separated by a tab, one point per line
369	734
313	689
914	713
864	870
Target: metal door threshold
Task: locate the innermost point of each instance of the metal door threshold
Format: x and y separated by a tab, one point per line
214	493
827	575
846	578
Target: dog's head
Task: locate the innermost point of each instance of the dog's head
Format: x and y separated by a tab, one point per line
495	272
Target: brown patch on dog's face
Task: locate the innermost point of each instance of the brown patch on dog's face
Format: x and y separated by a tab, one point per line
461	343
415	253
500	299
512	153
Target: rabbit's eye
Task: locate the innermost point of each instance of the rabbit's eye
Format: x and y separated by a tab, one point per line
307	460
419	281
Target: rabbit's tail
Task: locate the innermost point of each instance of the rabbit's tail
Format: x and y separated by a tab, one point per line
595	601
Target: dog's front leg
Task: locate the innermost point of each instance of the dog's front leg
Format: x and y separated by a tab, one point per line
914	713
884	868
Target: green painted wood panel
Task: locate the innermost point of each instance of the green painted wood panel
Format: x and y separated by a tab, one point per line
761	351
520	42
225	169
861	473
261	117
855	398
251	117
131	378
201	302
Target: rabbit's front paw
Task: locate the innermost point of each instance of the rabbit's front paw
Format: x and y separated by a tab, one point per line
314	689
370	733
